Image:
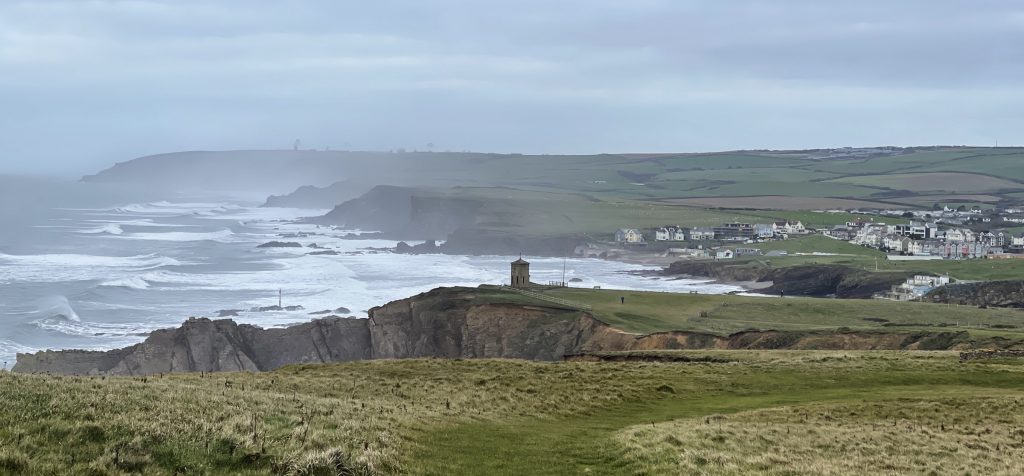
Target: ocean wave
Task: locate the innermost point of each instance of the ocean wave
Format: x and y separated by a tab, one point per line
141	222
56	307
176	208
94	329
111	229
72	260
11	347
223	236
135	282
76	267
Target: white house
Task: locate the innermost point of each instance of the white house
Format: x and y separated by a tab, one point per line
629	235
702	233
960	235
724	254
670	233
789	228
763	230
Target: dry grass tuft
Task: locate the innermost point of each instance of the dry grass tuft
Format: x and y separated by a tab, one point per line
903	436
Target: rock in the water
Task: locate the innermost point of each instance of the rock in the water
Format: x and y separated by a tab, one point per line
280	244
228	312
276	308
427	247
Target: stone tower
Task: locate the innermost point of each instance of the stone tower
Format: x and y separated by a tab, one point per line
520	273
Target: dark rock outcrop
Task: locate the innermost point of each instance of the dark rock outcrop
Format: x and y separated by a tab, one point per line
309	196
427	247
802	280
214	345
1009	293
280	244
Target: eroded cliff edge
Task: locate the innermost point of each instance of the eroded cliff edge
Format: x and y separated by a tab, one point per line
445	322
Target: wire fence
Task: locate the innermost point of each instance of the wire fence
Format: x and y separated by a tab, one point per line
551	299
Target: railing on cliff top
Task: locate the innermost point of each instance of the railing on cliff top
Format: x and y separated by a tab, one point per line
551	299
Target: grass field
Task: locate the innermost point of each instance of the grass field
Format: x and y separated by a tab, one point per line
648	312
871	260
778	202
932	182
818	244
970	270
776	412
799	174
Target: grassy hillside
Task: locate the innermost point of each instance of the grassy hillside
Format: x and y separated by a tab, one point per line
817	244
810	174
647	312
800	412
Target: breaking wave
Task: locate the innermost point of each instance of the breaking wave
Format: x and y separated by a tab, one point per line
56	308
110	229
135	282
182	236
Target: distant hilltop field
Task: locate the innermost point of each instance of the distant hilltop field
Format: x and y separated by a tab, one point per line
881	177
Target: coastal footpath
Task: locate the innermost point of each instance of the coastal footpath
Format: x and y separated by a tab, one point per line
483	322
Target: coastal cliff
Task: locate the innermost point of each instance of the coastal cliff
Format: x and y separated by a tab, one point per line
802	280
445	323
1008	293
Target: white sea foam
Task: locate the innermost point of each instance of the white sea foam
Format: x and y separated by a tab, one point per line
141	222
223	236
56	307
9	349
96	329
134	282
75	267
110	229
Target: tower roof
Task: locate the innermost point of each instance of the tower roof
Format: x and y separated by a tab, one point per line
520	261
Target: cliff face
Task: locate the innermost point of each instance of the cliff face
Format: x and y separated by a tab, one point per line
804	280
308	196
445	322
208	345
1009	293
384	208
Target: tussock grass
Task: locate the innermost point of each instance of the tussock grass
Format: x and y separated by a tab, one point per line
434	416
299	420
961	435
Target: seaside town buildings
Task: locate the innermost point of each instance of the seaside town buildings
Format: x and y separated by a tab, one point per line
950	234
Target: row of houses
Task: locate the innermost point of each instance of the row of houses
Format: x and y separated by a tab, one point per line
925	239
739	232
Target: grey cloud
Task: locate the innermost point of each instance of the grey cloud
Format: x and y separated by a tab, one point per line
85	83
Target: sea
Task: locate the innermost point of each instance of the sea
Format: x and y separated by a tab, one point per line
83	266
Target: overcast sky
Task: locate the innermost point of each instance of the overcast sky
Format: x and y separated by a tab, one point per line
85	83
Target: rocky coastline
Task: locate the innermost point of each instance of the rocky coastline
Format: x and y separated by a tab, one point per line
442	323
817	280
1006	293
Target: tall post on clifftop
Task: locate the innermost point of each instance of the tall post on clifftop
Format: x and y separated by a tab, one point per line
564	260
